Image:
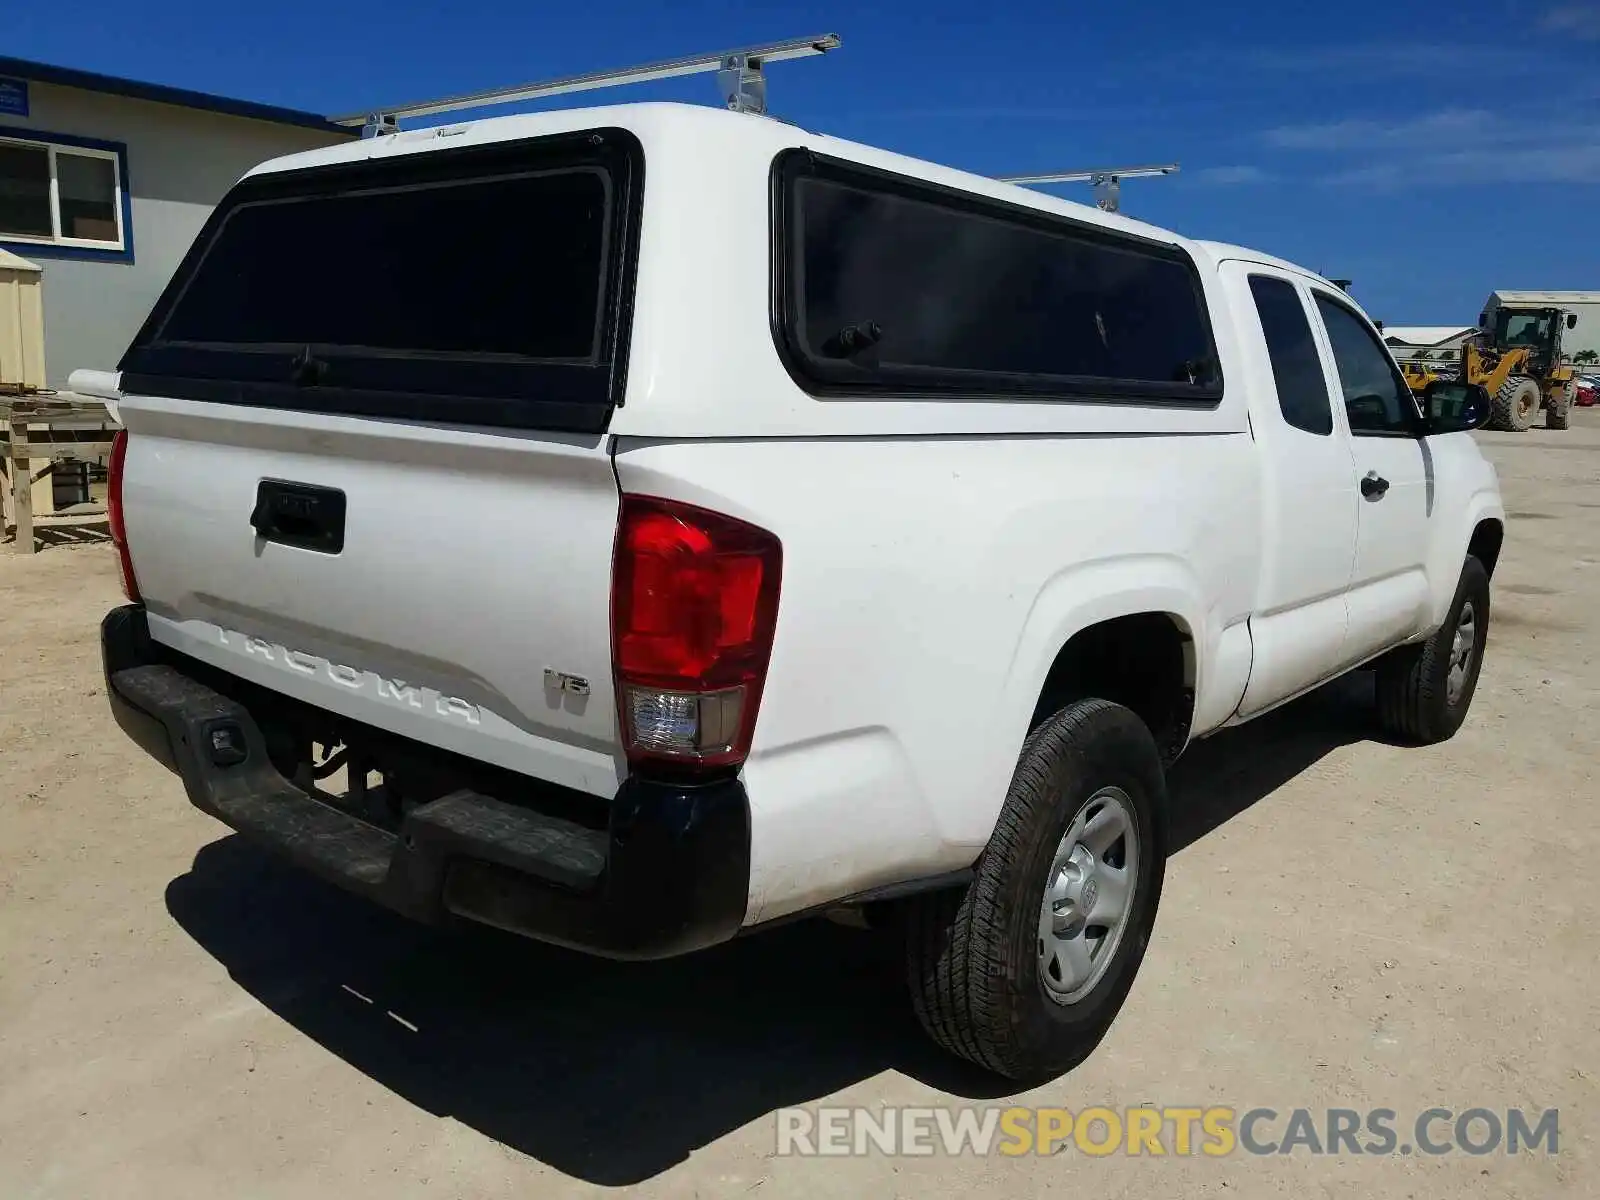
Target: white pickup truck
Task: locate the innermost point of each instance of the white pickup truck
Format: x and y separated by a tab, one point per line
666	521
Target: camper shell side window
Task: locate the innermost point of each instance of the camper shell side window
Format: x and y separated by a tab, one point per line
886	284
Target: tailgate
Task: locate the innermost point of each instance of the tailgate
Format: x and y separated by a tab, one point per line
472	563
421	345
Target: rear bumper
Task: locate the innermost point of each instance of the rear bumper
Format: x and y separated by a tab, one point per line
670	872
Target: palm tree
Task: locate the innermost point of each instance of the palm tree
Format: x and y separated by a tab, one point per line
1586	356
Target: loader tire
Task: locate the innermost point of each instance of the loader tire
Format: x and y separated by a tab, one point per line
1558	414
1514	405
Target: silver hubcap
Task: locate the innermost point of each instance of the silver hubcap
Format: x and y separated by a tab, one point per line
1461	648
1089	896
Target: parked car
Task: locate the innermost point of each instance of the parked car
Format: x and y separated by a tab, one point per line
1586	390
697	522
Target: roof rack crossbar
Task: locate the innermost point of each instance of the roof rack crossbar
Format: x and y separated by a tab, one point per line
739	72
1107	181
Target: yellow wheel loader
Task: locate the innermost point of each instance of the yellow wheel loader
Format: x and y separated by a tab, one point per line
1518	362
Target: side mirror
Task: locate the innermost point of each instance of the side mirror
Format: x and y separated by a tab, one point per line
1452	407
1572	320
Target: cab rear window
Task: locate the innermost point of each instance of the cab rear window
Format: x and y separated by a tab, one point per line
483	286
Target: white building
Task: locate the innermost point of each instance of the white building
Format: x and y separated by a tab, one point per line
1430	342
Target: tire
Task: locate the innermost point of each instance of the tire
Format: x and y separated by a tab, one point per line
973	957
1514	404
1558	415
1416	700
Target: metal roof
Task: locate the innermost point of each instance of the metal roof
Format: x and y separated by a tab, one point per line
112	85
1424	335
1553	298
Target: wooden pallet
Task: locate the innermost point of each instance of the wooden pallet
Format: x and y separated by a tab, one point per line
36	426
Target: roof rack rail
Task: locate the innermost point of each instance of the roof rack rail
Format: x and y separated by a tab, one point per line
740	73
1107	181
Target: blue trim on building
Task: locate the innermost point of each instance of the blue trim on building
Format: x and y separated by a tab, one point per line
88	253
113	85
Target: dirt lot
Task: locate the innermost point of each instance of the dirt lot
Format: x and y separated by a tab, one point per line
1347	923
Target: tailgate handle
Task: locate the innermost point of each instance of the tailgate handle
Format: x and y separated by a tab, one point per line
299	514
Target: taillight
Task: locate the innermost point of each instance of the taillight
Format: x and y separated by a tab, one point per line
694	603
114	518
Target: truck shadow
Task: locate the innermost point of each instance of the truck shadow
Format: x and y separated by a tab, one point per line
1220	777
614	1072
610	1072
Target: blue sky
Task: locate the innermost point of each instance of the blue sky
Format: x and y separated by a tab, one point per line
1430	150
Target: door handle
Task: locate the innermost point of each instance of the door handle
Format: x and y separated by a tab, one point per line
299	514
1373	485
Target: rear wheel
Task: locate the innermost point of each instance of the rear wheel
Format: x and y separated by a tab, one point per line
1557	415
1424	691
1024	971
1514	404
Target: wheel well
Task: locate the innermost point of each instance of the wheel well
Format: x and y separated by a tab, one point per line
1485	543
1144	661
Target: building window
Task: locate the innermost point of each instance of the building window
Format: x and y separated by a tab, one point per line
57	194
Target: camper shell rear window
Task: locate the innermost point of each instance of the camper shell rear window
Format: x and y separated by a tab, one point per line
885	285
481	286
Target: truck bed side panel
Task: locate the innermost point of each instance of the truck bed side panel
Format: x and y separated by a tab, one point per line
927	585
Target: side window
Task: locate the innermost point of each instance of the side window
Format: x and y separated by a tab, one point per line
1376	398
1296	366
892	285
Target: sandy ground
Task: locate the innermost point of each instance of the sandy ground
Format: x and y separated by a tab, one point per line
1346	923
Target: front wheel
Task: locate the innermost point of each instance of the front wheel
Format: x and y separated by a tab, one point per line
1424	690
1024	970
1514	405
